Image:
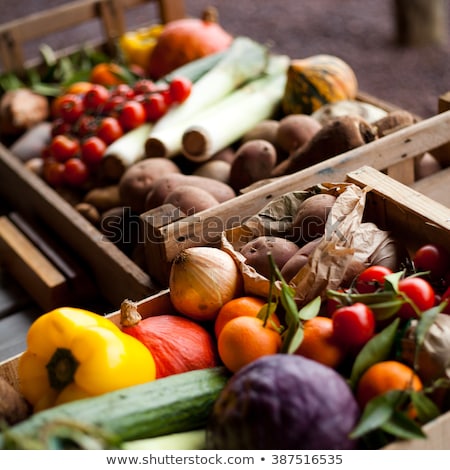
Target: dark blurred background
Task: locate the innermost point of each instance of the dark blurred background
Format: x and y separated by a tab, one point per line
362	32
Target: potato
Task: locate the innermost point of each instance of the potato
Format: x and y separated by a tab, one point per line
256	253
299	259
13	407
309	221
266	130
89	212
165	185
227	155
216	169
139	178
191	199
103	198
295	130
254	161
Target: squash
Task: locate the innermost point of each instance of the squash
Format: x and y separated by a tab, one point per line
315	81
185	40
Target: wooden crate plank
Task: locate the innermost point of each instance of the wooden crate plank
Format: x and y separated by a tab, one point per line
436	186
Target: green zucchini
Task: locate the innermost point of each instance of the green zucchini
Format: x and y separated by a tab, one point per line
176	403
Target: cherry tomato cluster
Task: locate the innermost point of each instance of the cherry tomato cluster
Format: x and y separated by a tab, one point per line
353	311
85	124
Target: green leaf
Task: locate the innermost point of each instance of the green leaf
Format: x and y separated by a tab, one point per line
424	323
376	413
391	281
311	309
295	341
375	350
385	310
402	427
425	407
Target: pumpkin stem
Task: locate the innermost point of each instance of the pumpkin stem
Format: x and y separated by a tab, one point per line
129	315
210	14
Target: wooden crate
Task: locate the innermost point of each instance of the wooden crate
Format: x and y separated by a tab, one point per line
391	205
114	273
167	233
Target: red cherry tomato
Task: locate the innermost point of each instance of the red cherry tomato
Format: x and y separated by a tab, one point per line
144	86
76	172
95	98
59	126
53	172
155	106
420	292
446	296
180	89
371	279
109	130
353	325
131	115
123	90
63	147
86	126
113	106
70	107
433	258
92	150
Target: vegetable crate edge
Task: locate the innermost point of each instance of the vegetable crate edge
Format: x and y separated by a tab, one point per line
167	232
393	206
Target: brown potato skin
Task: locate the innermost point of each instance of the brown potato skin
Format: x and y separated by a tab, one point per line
299	259
165	185
139	178
295	130
191	199
257	252
309	222
254	161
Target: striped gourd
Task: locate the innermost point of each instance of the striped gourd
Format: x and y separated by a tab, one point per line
315	81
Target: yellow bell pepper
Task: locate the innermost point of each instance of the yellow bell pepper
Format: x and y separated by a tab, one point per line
138	45
73	353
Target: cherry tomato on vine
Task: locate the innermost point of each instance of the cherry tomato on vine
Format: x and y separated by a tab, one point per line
131	115
180	89
353	325
53	172
69	107
62	147
86	126
95	98
59	126
371	279
109	130
434	258
92	150
123	90
143	86
113	105
155	106
76	172
420	292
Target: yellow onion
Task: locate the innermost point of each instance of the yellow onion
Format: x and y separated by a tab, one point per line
201	280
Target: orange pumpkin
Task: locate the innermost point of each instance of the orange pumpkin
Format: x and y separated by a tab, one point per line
185	40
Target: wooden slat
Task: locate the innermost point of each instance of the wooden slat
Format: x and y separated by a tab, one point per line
436	186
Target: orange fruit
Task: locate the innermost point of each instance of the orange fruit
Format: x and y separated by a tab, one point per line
319	343
107	74
248	306
245	339
79	88
384	376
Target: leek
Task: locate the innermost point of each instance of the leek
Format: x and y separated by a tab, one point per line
245	61
221	125
186	440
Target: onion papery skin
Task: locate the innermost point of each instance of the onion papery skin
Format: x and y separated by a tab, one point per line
177	344
201	280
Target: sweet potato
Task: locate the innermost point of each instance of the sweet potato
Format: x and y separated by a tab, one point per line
191	199
295	130
13	407
298	260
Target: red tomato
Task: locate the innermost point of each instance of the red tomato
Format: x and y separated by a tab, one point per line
70	107
92	150
420	292
353	325
95	98
109	130
144	86
131	115
180	89
76	172
371	279
123	90
59	126
53	172
63	147
86	126
433	258
113	106
155	106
